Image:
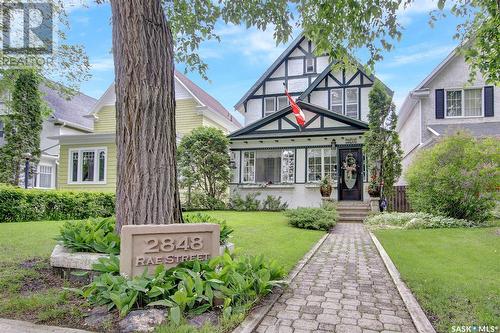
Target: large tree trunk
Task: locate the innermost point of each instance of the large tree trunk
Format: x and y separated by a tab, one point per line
147	191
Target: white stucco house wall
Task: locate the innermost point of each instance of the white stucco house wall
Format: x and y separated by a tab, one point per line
67	118
445	102
272	155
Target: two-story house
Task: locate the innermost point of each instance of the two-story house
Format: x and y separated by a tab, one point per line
272	155
444	102
67	118
88	161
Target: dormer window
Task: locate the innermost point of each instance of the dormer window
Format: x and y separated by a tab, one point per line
310	65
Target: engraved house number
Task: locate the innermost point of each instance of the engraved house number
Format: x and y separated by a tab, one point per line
155	245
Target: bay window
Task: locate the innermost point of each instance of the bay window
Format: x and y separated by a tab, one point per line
270	166
321	163
87	165
464	103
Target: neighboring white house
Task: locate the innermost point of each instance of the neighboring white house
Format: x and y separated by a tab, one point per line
445	102
272	155
67	118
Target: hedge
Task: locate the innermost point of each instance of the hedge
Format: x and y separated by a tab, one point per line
17	205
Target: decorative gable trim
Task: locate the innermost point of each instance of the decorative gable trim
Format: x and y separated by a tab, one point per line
326	75
333	121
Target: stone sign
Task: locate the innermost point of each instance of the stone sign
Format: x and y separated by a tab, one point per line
147	246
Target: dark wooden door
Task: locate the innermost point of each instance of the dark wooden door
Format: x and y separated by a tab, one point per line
350	182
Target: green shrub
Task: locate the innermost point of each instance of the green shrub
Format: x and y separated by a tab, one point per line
248	203
191	288
273	204
17	205
225	230
93	235
458	177
313	218
417	221
98	235
201	201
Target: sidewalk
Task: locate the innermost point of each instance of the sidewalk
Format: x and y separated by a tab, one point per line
345	287
19	326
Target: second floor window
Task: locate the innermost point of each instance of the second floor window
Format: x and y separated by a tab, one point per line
273	104
351	102
345	101
464	103
337	101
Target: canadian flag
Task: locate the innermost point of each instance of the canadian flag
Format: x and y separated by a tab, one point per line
299	115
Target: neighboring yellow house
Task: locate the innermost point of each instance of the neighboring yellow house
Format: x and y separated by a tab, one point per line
88	161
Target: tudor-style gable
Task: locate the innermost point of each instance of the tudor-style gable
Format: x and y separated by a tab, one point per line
283	124
309	78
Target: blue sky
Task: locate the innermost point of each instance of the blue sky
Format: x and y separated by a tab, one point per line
243	55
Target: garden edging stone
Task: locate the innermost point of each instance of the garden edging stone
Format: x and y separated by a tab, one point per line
64	258
257	314
420	320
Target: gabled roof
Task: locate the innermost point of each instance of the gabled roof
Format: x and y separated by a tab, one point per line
271	69
201	96
72	110
350	123
205	99
328	69
408	103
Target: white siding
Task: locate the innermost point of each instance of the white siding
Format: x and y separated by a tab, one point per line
254	110
280	71
365	109
320	98
274	87
321	63
298	85
295	67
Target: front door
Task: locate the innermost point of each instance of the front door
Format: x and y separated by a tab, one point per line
350	182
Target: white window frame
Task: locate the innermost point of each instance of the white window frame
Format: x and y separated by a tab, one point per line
96	151
346	103
52	175
243	166
334	155
463	102
337	104
2	128
266	112
312	65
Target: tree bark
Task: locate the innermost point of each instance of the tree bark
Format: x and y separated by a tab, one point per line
147	190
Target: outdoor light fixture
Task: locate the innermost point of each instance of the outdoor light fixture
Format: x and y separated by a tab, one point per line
334	143
27	157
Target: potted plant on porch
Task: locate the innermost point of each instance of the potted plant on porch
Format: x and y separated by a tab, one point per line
374	186
326	187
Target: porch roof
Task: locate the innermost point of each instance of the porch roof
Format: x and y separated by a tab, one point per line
343	125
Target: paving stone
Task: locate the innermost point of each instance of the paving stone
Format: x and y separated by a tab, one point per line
305	324
344	287
347	329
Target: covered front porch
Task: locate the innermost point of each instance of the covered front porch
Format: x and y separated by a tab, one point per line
274	156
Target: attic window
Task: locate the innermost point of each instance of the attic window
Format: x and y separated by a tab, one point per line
269	105
309	65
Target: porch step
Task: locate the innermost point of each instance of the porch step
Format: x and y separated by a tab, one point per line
353	211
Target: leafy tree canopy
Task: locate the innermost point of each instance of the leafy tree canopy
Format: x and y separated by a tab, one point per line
203	160
382	145
336	27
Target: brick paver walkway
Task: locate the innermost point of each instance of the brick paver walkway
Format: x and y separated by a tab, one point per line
345	287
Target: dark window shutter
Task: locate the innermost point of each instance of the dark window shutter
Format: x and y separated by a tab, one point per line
488	102
439	103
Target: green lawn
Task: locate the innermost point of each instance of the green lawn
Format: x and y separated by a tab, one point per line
28	291
454	273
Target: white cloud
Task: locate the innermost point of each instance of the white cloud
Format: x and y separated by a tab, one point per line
417	7
102	64
417	53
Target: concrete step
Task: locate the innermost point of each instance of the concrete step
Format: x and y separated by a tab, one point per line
353	211
345	219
